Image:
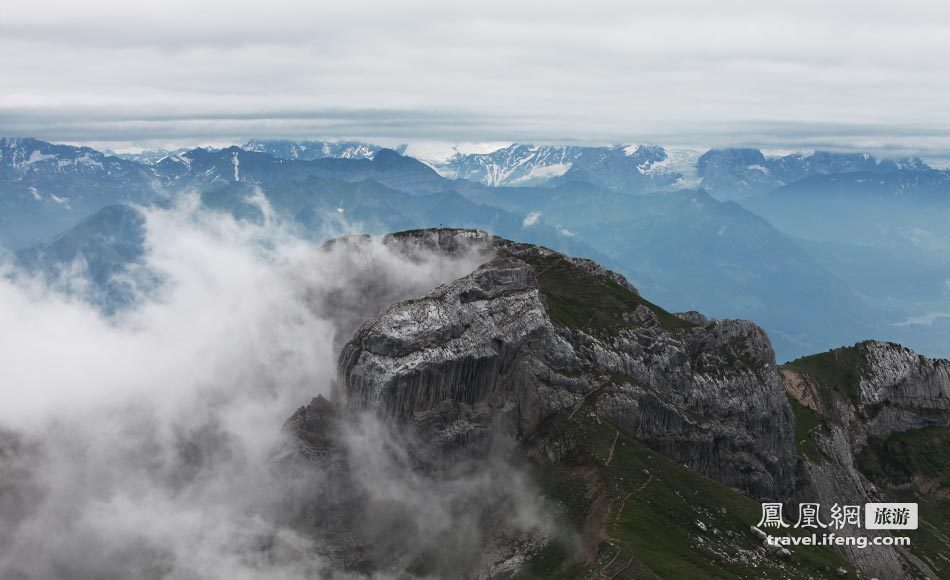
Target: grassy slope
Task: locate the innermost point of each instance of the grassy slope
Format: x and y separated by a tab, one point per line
592	303
635	508
838	369
648	507
626	510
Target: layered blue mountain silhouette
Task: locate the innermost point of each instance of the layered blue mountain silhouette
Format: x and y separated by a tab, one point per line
784	241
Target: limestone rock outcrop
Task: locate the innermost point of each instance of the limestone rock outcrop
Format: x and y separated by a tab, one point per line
531	332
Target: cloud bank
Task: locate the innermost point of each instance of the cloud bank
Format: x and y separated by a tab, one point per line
141	446
845	74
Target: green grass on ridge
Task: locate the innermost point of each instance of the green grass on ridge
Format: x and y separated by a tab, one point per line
838	369
650	525
587	302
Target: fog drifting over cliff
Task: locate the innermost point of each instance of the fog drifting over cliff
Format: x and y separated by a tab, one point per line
139	446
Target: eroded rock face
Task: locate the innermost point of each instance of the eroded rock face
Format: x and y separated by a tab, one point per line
479	364
531	332
873	389
881	389
902	390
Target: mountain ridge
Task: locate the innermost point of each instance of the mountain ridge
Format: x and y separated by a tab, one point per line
560	362
660	244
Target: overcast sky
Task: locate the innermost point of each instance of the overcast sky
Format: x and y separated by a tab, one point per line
830	74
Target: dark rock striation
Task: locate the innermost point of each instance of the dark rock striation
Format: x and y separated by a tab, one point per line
497	358
531	332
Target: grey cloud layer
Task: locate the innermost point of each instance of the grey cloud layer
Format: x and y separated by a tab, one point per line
847	74
142	447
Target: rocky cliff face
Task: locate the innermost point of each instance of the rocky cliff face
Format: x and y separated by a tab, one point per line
531	332
873	389
462	379
561	364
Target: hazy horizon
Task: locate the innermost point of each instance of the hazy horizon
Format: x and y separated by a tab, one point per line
436	151
848	76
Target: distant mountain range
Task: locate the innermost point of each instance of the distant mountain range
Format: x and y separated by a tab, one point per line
310	150
792	257
635	168
46	188
731	173
282	148
724	173
738	173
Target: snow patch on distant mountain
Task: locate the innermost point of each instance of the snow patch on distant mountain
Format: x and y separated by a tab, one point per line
181	158
310	150
34	157
514	164
437	154
26	156
237	166
150	156
541	173
629	168
679	162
